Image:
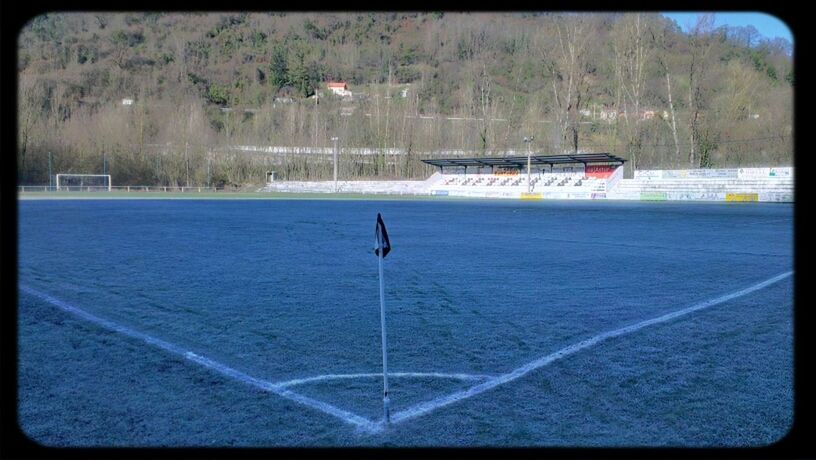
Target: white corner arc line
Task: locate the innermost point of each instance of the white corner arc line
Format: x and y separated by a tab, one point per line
436	403
320	378
346	416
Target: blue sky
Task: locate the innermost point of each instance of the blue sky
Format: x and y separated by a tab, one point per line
767	25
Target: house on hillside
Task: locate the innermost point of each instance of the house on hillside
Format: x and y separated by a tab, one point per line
642	115
339	88
647	114
610	115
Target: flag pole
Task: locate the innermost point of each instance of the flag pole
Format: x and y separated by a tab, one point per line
386	401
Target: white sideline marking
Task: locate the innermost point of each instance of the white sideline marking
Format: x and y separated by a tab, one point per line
318	378
428	406
346	416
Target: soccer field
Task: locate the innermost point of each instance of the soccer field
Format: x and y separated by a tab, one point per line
257	323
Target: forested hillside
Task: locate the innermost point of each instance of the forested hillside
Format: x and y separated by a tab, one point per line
629	84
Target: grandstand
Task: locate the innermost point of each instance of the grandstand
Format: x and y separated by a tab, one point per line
567	177
600	176
578	176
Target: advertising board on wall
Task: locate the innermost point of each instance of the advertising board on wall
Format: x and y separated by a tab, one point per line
741	197
729	173
599	171
653	196
762	173
713	173
567	169
695	196
674	173
784	197
781	172
648	174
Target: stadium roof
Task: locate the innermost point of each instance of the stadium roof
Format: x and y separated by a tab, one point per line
521	161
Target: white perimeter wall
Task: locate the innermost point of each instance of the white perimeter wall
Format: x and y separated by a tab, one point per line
736	184
733	173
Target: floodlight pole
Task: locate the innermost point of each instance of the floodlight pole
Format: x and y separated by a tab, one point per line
335	163
50	180
528	141
386	401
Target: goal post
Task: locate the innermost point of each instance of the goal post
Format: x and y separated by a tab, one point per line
83	182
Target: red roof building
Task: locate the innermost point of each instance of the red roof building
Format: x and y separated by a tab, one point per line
339	88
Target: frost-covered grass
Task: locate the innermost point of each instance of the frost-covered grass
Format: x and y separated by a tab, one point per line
285	290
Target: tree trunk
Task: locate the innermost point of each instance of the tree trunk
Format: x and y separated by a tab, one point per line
692	128
24	149
673	122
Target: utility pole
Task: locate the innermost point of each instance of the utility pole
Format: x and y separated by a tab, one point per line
209	176
187	162
158	166
528	141
186	147
334	139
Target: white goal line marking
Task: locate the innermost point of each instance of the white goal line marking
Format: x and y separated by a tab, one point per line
346	416
428	406
414	411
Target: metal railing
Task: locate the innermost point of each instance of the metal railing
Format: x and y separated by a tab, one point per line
120	188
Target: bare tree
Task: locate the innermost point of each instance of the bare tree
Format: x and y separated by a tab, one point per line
700	50
632	51
543	70
660	42
570	68
485	104
31	97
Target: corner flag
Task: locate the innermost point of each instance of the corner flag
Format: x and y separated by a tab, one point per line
381	238
382	246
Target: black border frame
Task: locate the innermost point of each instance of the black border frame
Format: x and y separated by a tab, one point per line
798	443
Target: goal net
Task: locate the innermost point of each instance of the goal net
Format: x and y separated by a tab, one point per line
84	182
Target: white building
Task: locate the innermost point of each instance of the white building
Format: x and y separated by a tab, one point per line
609	115
339	88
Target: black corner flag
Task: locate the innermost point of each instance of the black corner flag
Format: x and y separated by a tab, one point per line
381	238
381	243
